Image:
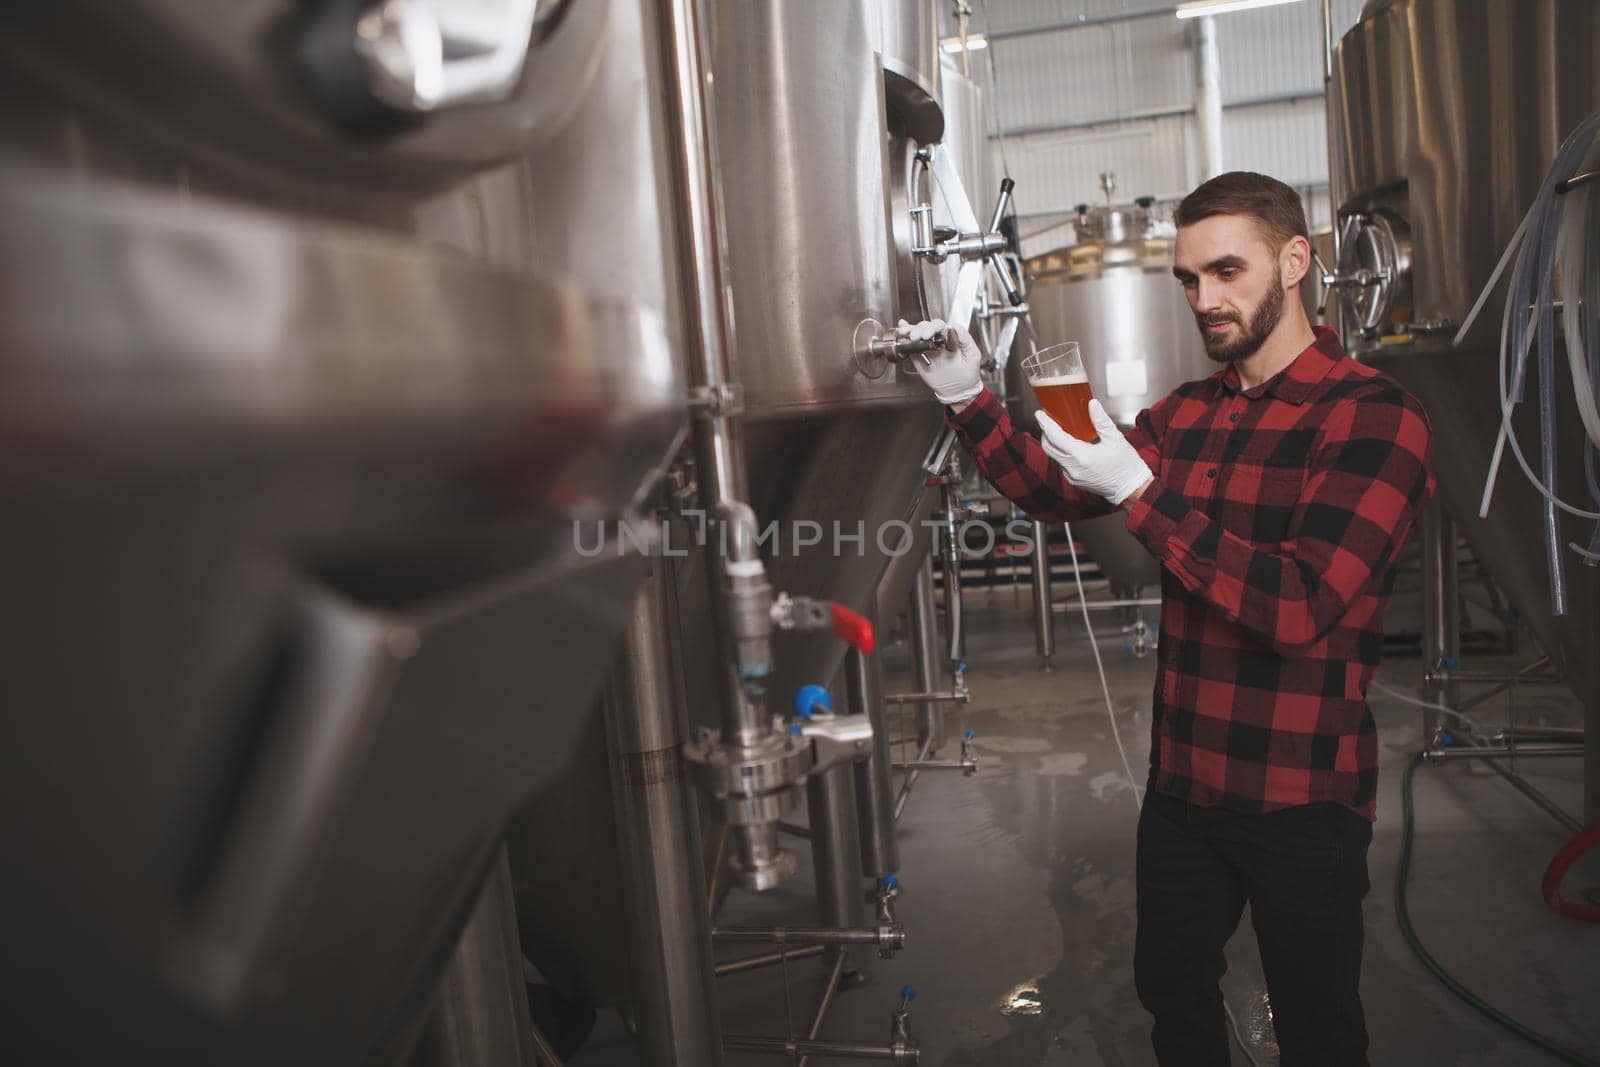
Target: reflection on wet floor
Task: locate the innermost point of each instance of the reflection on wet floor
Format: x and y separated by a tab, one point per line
1018	892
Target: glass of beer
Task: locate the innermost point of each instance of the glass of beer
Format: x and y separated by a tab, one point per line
1062	388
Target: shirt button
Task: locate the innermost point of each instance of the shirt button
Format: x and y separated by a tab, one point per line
1212	473
1234	417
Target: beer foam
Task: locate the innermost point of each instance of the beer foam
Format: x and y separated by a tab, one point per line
1074	378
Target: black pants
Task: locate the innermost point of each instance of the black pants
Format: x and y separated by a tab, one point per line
1304	872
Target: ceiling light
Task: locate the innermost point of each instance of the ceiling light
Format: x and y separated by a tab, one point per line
1196	8
975	41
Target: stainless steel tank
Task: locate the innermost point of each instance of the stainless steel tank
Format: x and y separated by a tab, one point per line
1113	292
1448	114
905	34
297	416
801	128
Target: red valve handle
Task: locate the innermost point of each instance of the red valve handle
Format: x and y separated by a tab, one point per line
853	629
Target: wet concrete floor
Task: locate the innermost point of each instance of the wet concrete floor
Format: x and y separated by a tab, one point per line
1018	892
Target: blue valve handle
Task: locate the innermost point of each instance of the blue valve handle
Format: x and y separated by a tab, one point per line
971	734
891	882
908	993
809	698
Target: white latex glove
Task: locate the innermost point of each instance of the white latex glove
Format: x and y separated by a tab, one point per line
953	376
1110	467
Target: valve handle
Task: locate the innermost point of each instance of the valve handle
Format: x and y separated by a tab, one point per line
908	993
809	698
853	629
971	734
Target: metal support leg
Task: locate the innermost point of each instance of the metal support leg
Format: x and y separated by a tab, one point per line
1441	614
1044	620
927	657
480	1011
669	936
880	856
836	851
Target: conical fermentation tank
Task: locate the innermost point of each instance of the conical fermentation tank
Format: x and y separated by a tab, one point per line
802	119
1448	115
1113	292
305	374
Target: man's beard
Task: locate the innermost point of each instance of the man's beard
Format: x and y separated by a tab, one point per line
1262	323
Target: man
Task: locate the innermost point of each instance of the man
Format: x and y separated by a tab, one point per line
1277	495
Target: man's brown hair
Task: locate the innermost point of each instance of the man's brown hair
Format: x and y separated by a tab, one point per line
1274	206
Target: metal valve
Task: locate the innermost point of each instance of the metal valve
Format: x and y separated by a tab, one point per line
806	613
969	759
891	931
902	1044
875	347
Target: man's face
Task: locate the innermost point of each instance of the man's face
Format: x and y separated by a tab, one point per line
1234	283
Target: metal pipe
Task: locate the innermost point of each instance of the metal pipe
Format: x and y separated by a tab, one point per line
1331	135
863	683
741	596
1169	112
658	834
1441	613
792	1046
935	765
830	988
952	566
1208	96
1530	750
767	959
1500	676
1044	622
925	657
1107	605
1527	789
954	697
480	1009
1085	21
802	935
911	779
836	850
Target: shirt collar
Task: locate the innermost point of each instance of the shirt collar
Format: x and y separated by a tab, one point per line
1295	382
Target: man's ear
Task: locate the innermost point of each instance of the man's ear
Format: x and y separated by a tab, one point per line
1295	261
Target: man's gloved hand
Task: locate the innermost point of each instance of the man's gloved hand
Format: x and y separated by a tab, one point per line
1110	467
953	376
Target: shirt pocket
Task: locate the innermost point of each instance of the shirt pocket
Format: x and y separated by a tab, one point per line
1260	502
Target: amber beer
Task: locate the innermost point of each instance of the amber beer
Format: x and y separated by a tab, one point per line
1066	399
1062	388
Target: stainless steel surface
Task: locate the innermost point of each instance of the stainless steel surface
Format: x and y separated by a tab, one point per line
1044	622
811	194
298	426
1441	615
420	56
658	835
863	681
1448	114
905	33
480	1010
835	851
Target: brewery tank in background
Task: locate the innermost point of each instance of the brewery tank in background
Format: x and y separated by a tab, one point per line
300	392
1113	292
1448	114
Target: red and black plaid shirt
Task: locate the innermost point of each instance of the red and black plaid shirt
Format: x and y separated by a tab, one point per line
1277	514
